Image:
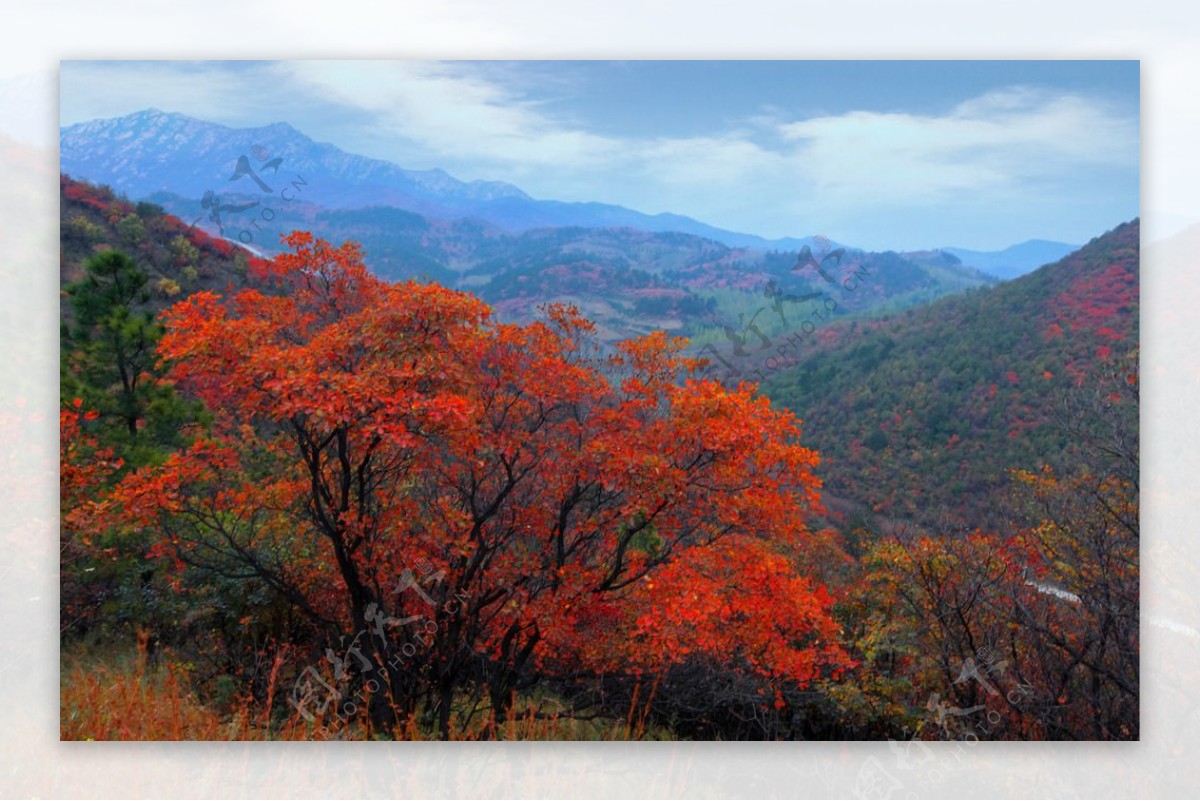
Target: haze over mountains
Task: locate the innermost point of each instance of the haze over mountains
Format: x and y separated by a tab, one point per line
174	160
153	151
628	281
1014	260
630	272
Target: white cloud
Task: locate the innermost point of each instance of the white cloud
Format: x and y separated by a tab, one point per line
769	174
456	110
992	143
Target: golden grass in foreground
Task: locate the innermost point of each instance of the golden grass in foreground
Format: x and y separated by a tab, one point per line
121	698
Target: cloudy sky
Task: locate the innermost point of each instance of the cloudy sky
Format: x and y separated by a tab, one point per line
878	154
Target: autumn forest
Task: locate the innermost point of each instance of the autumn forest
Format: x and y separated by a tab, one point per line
304	501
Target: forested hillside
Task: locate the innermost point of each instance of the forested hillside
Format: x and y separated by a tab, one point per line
177	259
301	501
921	415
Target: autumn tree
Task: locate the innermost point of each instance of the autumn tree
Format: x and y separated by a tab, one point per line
1035	630
465	507
1081	532
85	468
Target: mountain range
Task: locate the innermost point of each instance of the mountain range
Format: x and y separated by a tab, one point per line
152	151
629	272
156	153
1014	260
628	281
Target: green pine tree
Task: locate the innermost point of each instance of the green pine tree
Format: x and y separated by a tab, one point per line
109	360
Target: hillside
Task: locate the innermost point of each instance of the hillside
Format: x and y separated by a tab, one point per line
179	260
920	415
628	281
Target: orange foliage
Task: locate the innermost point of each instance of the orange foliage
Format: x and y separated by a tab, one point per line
585	512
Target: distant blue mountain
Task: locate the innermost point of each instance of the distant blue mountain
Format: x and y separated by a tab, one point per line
153	151
1016	260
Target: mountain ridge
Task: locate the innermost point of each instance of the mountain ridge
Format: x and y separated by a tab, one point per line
112	151
1014	260
628	280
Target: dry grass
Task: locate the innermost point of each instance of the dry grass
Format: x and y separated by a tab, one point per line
122	697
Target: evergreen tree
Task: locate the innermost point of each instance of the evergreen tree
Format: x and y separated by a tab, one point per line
109	360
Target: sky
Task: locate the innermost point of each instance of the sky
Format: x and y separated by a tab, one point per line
897	155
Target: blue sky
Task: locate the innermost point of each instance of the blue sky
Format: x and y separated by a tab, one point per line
900	155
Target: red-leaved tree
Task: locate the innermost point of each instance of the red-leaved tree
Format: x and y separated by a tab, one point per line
475	506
